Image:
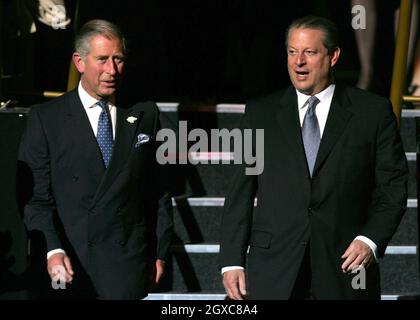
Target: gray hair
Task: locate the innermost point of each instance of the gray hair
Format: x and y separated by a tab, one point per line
330	38
97	28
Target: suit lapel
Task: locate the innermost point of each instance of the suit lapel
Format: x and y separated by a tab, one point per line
288	118
84	140
338	117
124	136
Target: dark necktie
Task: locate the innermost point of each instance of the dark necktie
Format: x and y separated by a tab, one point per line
310	133
104	135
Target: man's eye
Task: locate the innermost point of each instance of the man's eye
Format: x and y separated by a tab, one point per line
292	52
310	52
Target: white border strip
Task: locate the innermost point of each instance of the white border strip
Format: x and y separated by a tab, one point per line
215	248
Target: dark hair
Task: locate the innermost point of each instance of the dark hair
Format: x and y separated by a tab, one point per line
330	37
94	28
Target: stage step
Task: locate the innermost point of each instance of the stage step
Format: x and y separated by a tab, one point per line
215	297
194	268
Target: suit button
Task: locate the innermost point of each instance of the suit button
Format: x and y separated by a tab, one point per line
75	178
310	211
90	244
119	211
304	243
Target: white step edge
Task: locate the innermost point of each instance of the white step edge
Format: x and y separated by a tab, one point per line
239	108
202	157
217	108
220	201
185	296
411	156
215	248
229	156
412	203
410	113
401	250
217	296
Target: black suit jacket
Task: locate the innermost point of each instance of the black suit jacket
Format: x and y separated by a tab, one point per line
104	218
359	187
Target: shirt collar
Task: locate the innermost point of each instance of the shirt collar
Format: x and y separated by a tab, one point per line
322	96
88	101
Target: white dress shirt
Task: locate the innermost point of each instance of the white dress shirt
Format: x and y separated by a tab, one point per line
322	109
93	111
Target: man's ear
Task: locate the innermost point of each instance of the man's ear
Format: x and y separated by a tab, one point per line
334	56
78	62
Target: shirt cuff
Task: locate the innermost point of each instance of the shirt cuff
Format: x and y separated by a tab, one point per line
50	253
371	245
224	269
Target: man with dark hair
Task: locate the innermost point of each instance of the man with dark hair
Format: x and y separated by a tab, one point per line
96	180
333	191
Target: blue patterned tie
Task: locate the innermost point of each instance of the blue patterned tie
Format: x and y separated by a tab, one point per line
104	135
310	133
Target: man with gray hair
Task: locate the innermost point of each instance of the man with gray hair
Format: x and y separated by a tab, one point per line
333	190
96	183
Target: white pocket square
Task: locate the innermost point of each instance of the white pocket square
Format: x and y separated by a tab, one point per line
142	138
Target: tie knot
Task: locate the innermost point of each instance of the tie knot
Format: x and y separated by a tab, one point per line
102	103
312	103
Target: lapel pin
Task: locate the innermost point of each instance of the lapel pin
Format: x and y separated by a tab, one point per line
131	119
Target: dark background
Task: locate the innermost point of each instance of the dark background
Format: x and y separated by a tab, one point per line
186	50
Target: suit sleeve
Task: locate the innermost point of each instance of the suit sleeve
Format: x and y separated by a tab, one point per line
389	197
237	212
34	157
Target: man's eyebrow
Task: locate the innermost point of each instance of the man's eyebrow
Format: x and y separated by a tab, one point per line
106	56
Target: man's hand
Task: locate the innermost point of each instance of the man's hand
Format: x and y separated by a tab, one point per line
160	269
357	254
59	267
234	283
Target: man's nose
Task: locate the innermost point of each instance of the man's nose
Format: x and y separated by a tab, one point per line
110	67
300	59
